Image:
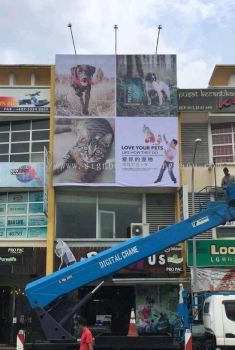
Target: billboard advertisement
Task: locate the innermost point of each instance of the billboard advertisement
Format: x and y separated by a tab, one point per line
85	85
21	174
147	152
116	121
146	85
21	100
216	100
144	153
84	151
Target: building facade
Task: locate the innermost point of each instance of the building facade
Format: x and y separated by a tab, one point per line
45	196
24	137
209	114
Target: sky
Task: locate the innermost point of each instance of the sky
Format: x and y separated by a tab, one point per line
199	32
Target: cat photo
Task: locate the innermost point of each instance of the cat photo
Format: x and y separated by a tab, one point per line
84	150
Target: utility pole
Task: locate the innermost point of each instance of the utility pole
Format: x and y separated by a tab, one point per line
115	29
159	28
70	27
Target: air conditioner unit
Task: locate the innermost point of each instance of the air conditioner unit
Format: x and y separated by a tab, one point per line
139	229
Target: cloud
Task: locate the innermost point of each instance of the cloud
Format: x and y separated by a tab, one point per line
196	30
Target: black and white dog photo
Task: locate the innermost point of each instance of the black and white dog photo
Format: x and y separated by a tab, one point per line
155	87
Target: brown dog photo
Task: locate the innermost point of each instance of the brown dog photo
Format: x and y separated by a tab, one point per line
85	85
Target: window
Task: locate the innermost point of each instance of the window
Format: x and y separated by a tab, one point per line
206	308
223	142
230	309
96	215
21	215
23	140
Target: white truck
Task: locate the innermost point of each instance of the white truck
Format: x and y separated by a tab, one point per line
219	320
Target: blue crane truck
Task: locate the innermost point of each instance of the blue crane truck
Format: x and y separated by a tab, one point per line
47	294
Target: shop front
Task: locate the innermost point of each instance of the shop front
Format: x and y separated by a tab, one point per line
149	286
18	266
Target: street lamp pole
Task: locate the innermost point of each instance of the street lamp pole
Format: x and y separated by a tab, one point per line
194	275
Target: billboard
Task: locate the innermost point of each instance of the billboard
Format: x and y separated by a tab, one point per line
21	174
212	252
147	152
84	151
146	85
85	85
116	121
21	100
216	100
123	152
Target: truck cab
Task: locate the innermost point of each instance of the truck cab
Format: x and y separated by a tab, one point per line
219	319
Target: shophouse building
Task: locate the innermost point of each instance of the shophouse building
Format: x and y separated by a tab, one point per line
118	192
98	208
209	115
24	137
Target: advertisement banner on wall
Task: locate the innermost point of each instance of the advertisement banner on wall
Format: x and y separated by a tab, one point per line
84	151
116	121
215	279
21	100
146	85
147	152
144	152
156	309
21	174
85	85
212	253
216	100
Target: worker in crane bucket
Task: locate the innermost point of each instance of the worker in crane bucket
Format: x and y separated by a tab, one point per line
227	178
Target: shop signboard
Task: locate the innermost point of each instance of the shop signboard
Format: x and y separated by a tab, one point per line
216	100
215	280
21	175
22	100
212	253
168	263
125	131
14	255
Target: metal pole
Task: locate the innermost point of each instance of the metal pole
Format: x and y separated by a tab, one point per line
159	28
70	27
194	274
115	28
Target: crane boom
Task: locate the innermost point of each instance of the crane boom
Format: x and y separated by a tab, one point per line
46	289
